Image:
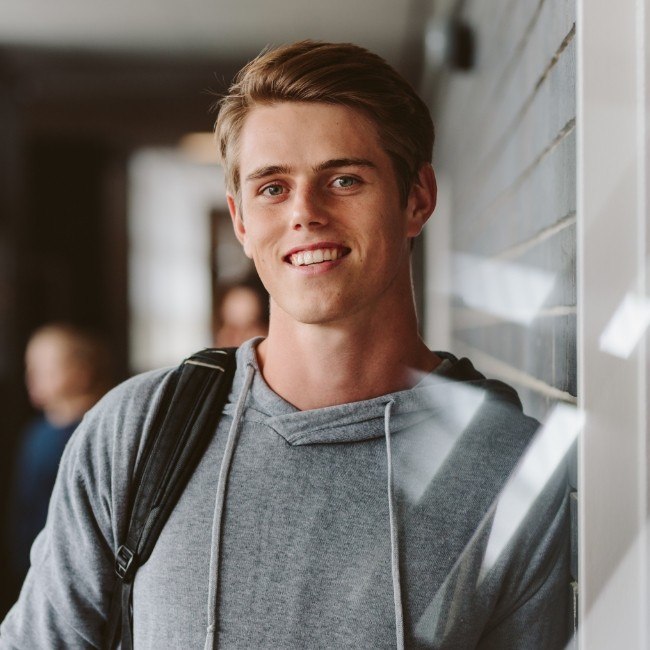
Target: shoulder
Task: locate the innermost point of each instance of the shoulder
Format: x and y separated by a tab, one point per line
111	433
498	405
134	393
99	461
131	400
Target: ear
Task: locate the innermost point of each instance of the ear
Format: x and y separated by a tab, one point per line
422	200
238	223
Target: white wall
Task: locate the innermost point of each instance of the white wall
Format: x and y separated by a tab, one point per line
614	311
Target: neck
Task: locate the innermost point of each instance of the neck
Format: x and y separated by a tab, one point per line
313	366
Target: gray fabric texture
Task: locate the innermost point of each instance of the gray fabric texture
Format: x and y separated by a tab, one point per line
305	551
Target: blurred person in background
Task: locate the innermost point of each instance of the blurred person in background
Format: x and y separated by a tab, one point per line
67	370
243	313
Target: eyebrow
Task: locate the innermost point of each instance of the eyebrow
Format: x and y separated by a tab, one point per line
272	170
268	170
344	162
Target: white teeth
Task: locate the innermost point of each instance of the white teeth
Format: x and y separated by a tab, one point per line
305	258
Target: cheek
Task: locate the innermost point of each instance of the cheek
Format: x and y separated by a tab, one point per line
260	243
251	232
389	233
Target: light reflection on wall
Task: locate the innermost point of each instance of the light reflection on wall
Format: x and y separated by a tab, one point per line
627	326
511	291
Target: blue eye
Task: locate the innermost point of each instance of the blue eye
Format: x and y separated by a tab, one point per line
345	182
273	190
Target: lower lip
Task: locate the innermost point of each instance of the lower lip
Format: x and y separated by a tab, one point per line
318	268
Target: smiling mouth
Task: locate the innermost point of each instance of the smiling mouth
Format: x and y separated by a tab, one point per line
316	256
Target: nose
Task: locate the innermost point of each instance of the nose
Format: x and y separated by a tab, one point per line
307	209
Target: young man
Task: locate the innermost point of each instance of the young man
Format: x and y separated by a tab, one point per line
354	506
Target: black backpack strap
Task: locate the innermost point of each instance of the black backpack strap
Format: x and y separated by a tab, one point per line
182	427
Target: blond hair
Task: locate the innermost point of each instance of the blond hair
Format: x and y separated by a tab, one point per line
331	73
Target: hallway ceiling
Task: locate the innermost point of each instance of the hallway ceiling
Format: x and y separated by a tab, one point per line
230	29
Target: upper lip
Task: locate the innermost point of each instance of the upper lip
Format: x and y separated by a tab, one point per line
313	247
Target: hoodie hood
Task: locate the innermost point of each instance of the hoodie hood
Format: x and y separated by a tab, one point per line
454	382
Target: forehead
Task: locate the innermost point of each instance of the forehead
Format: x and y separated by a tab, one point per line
289	133
46	346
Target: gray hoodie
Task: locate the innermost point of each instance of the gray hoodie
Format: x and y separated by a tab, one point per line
362	525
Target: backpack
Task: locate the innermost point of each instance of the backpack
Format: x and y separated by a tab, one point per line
182	426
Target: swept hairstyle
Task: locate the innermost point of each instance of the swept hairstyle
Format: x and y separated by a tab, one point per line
331	73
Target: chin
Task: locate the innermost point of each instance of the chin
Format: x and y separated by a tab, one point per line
319	310
315	318
329	316
317	314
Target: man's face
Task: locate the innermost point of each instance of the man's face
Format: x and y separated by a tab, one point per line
320	213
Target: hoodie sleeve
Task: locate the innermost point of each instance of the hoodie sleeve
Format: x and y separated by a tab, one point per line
65	599
534	611
540	622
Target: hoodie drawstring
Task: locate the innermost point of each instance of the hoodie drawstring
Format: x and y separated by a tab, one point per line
394	540
231	443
